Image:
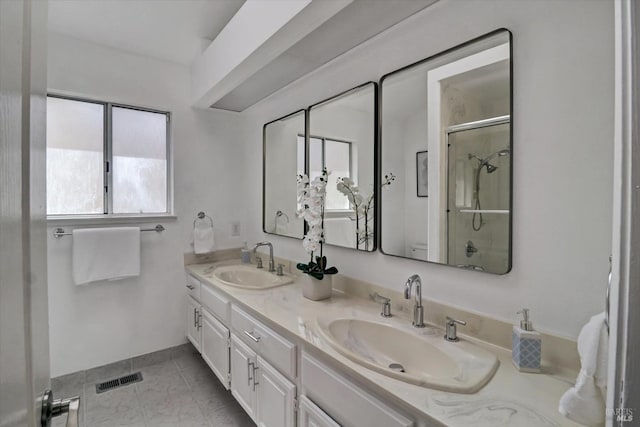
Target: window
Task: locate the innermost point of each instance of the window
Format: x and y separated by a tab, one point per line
336	157
106	159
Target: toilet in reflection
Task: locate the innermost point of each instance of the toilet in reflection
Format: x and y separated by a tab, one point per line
419	251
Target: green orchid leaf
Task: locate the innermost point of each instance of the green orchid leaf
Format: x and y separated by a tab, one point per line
331	270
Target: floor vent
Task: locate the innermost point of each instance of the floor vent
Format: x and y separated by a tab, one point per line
118	382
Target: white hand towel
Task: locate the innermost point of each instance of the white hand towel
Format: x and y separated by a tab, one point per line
203	238
105	254
281	227
585	402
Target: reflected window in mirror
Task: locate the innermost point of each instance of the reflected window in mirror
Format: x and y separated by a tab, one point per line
454	207
342	138
335	156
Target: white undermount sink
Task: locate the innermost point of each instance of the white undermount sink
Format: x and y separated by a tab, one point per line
422	358
249	277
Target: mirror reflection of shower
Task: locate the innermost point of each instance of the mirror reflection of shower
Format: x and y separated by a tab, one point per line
483	163
478	193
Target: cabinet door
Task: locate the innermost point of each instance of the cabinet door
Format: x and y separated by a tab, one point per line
243	367
275	397
313	416
193	322
215	346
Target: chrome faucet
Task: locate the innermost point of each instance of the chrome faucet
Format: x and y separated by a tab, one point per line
272	267
418	310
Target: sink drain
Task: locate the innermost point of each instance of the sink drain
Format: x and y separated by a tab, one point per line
396	367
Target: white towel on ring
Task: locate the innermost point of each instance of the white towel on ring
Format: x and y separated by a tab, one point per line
203	238
585	402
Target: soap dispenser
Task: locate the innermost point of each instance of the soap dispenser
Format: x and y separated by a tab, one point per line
245	254
527	345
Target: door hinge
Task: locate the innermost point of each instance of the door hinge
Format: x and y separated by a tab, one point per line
295	405
622	396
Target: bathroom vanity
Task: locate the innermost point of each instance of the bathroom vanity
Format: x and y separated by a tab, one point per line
274	351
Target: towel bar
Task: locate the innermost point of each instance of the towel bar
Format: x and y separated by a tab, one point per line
59	232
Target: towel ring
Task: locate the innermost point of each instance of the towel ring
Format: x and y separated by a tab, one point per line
280	213
202	215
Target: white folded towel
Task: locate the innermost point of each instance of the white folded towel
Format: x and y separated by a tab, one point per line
203	239
585	402
105	254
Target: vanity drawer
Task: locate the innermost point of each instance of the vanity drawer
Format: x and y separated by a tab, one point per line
193	287
328	389
280	352
215	303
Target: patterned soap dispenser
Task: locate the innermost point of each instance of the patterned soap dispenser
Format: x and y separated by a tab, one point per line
527	345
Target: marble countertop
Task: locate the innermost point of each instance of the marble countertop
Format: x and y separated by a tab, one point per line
510	398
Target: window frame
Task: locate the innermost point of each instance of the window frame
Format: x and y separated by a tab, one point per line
323	140
107	158
327	138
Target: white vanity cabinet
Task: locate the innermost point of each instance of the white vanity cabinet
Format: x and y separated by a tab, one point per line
345	402
276	397
266	395
215	346
193	322
250	359
310	415
243	367
205	310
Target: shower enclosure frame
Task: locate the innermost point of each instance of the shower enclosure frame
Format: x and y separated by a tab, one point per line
475	125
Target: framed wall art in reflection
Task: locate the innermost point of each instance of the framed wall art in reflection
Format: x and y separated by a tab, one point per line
422	183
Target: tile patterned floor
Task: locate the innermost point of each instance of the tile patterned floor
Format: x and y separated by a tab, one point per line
178	390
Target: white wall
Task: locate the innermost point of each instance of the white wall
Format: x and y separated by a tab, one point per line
105	322
563	130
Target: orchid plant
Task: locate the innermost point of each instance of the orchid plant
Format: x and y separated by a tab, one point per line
311	199
362	206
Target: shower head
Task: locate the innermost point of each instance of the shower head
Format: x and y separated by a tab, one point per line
484	163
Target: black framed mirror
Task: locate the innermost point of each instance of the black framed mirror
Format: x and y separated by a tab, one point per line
283	145
342	138
446	130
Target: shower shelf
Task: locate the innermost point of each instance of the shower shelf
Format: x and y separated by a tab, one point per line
486	211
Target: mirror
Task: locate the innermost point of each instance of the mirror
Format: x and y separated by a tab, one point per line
342	138
283	161
446	135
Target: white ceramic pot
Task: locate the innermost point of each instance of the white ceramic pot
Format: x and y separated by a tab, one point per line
315	289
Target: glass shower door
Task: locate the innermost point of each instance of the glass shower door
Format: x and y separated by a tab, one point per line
478	195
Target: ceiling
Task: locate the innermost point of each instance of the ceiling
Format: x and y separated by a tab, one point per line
171	30
356	23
